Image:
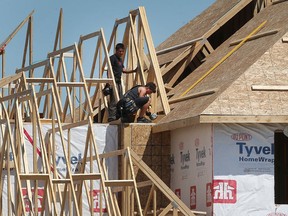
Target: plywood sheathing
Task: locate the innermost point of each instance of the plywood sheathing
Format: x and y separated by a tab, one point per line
154	149
188	112
239	99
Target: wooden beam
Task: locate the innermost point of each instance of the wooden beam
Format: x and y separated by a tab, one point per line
63	50
115	183
121	21
243	119
86	176
269	87
88	36
71	84
39	80
7	80
190	121
99	80
285	39
226	17
34	176
278	1
195	95
179	46
172	125
256	36
69	126
191	50
36	65
154	61
10	37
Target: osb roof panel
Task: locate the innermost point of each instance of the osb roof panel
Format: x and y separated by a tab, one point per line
270	69
232	68
196	28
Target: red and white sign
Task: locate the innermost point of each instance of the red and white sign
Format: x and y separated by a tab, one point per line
97	201
178	193
224	191
28	201
193	196
208	194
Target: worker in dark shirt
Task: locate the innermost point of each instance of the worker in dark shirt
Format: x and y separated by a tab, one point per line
118	68
138	99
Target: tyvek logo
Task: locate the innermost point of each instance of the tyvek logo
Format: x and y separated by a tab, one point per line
185	159
200	156
27	200
248	153
225	191
96	201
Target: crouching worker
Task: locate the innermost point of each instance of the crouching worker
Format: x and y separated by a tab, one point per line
134	99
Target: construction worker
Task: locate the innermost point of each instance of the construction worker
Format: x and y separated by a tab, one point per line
118	68
134	99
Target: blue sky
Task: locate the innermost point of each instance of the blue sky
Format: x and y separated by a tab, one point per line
83	17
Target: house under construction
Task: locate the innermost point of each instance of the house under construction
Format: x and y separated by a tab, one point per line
221	82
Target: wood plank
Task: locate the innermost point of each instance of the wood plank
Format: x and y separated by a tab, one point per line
191	50
121	21
40	94
269	87
179	46
226	17
154	61
86	176
36	65
256	36
144	183
63	50
14	32
195	95
39	80
113	153
243	119
99	80
7	80
34	176
16	95
70	84
285	39
181	123
278	1
88	36
60	181
117	183
66	126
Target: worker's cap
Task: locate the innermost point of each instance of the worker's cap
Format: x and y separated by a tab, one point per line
151	86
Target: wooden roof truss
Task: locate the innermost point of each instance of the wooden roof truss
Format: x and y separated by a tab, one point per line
198	49
137	40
